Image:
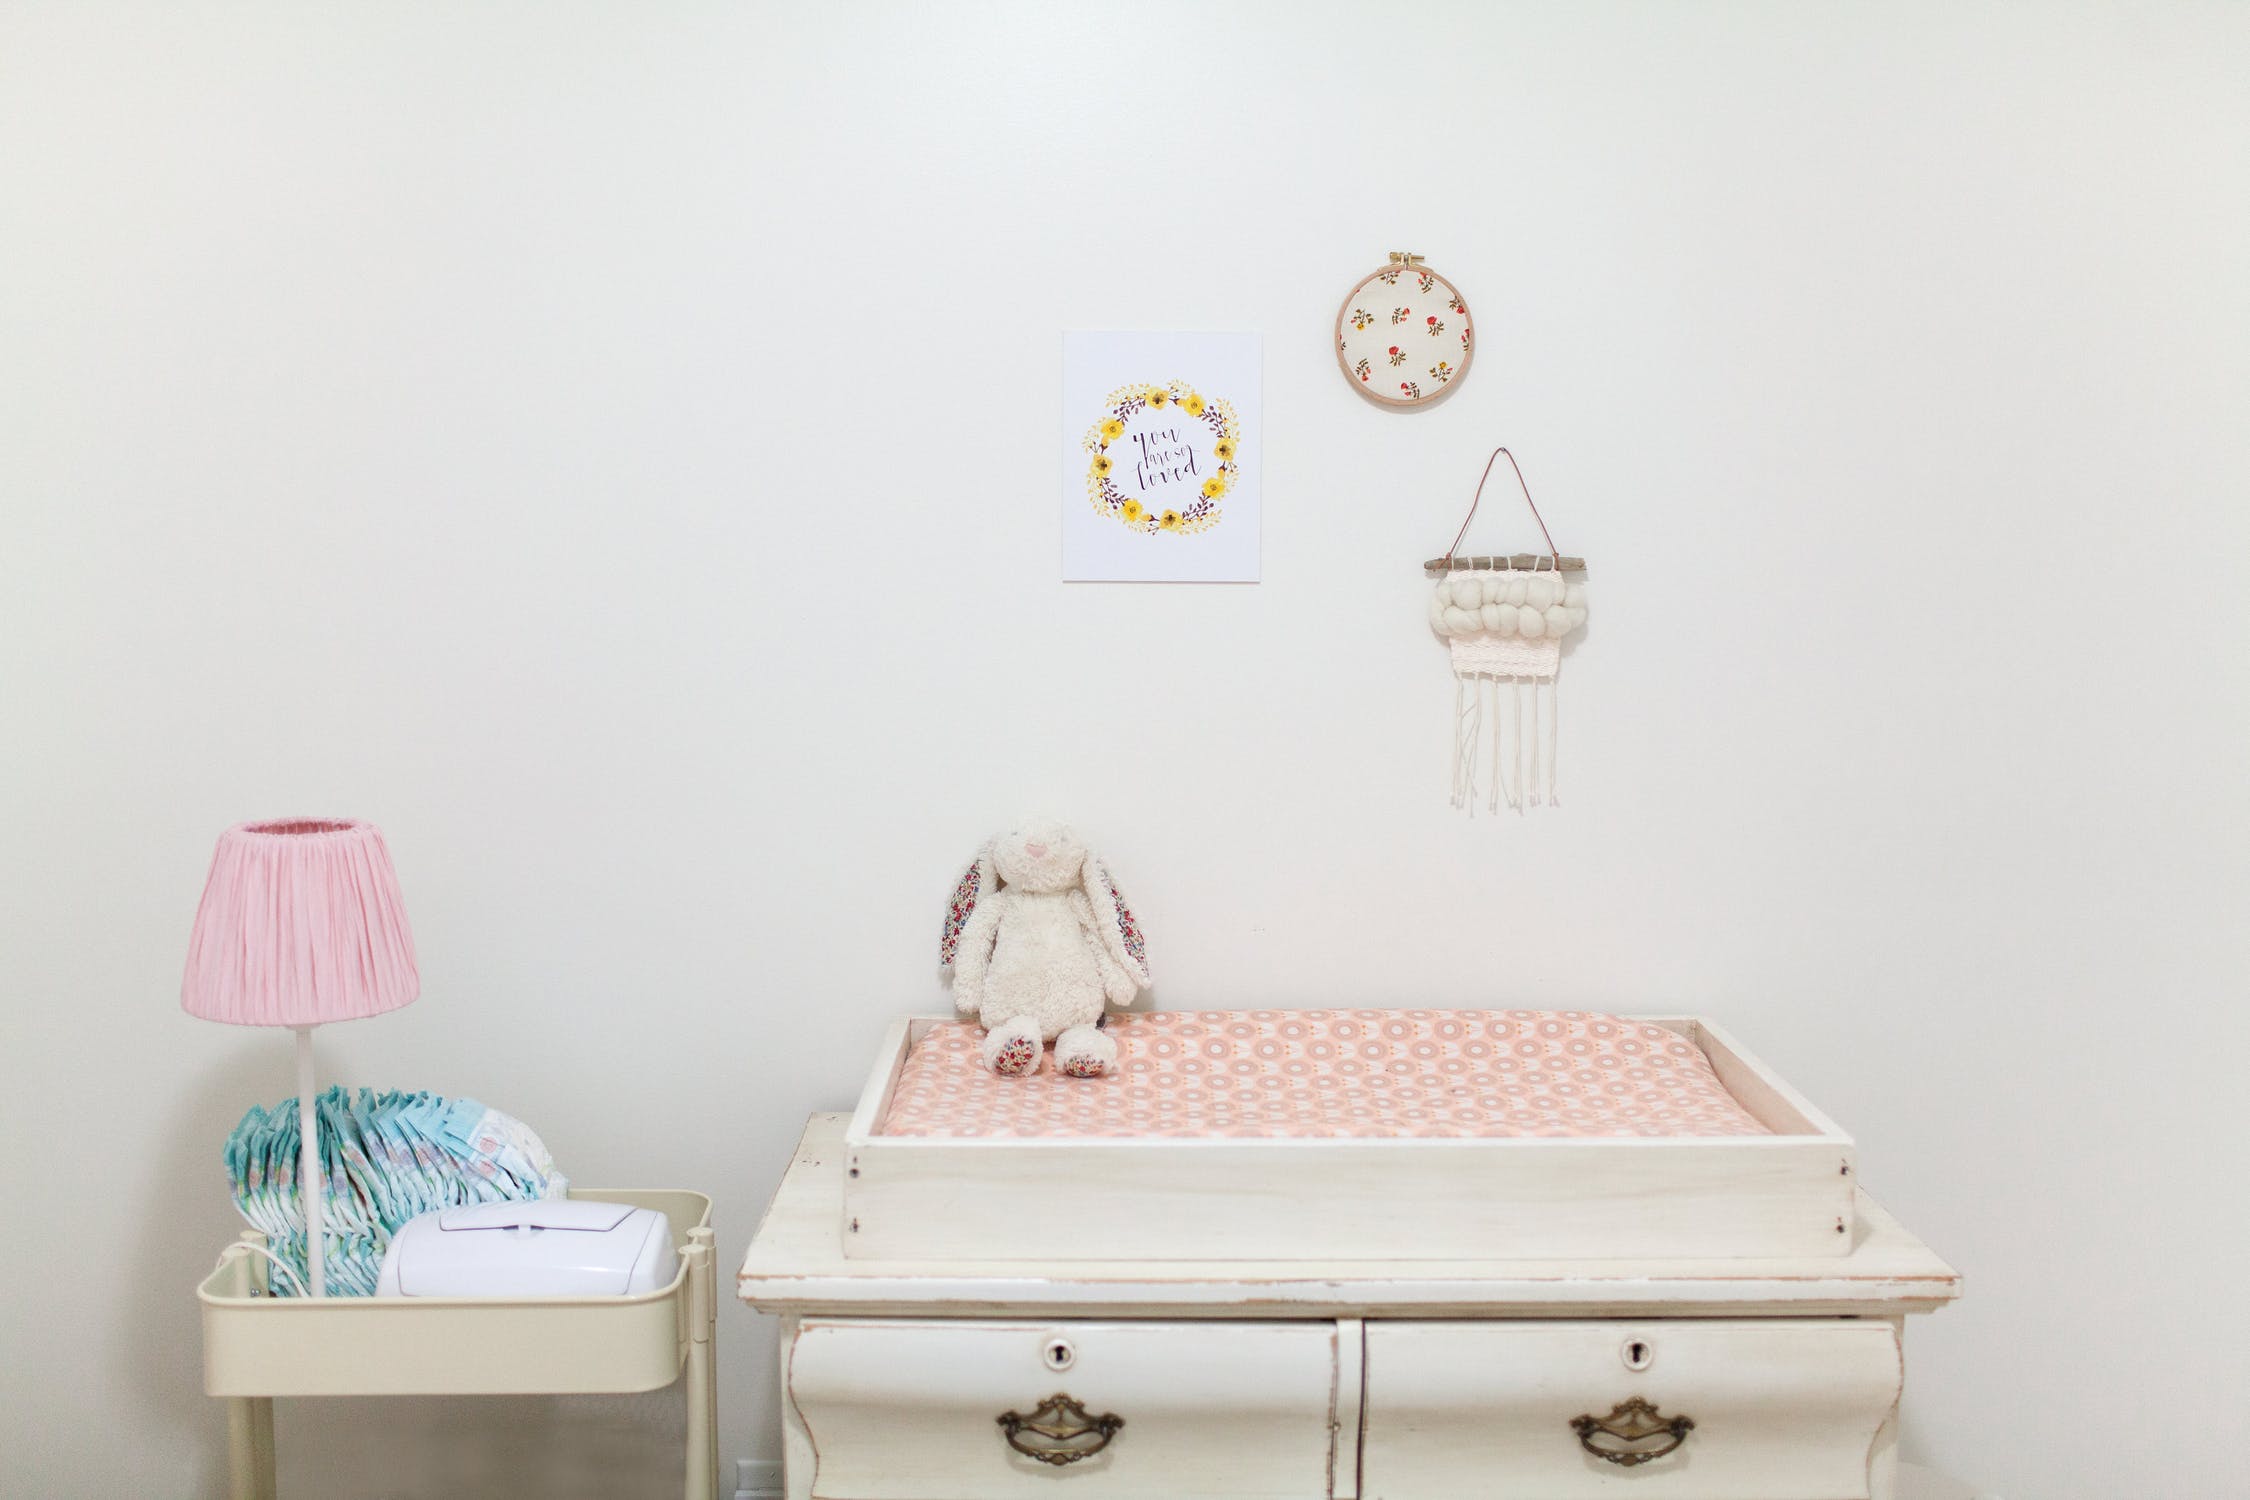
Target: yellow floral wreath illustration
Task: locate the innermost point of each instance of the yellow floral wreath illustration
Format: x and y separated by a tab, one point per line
1199	514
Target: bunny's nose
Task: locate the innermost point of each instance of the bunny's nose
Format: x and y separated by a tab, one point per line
1036	851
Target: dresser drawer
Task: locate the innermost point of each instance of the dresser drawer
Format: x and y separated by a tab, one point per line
1781	1409
911	1410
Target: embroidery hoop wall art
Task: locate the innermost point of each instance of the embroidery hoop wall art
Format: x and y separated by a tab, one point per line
1160	478
1402	336
1503	620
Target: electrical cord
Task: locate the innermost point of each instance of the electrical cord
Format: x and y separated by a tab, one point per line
280	1265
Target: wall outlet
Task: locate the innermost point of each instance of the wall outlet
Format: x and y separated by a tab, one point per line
757	1479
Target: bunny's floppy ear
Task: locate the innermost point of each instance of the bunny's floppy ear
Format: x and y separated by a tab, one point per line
975	884
1113	919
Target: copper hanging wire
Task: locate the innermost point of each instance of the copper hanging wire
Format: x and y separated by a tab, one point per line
1528	562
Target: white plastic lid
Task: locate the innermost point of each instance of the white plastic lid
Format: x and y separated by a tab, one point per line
584	1214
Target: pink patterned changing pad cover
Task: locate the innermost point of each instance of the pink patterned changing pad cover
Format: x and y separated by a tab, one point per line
1331	1073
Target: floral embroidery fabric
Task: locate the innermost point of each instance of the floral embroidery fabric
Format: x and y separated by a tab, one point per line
1404	335
1334	1073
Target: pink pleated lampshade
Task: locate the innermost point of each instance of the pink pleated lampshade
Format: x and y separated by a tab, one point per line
301	924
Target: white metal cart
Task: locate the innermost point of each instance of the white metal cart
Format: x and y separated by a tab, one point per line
257	1346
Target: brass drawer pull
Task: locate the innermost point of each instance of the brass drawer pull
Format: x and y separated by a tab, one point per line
1631	1422
1064	1426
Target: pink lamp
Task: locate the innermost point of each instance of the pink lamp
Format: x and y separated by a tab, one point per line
301	923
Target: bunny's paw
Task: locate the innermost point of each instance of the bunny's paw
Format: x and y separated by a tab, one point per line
1013	1050
1084	1052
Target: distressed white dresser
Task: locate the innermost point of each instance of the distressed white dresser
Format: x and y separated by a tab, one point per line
1304	1379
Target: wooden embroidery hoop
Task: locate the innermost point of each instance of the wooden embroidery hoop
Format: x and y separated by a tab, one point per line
1403	261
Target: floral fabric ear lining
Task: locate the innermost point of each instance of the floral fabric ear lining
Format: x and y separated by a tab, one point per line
974	884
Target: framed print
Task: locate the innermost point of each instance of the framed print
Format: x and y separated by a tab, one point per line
1161	477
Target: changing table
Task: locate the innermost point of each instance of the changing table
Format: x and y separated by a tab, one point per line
257	1347
1319	1377
1359	1134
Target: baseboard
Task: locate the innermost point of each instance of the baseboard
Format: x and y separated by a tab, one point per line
1918	1483
757	1479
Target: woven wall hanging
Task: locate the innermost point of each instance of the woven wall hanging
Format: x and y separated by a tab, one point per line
1402	335
1504	620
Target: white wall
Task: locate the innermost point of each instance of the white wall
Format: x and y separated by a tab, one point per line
395	420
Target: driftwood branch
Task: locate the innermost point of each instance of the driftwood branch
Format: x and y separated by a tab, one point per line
1521	562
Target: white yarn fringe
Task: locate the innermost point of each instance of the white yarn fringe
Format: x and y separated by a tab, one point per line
1521	769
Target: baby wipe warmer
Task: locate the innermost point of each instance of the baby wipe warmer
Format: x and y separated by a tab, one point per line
551	1247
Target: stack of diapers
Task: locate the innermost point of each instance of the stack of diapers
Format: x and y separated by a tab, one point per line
386	1157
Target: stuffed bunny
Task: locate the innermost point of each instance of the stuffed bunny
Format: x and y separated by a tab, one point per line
1036	938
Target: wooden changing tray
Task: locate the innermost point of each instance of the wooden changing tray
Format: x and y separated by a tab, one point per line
1790	1193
